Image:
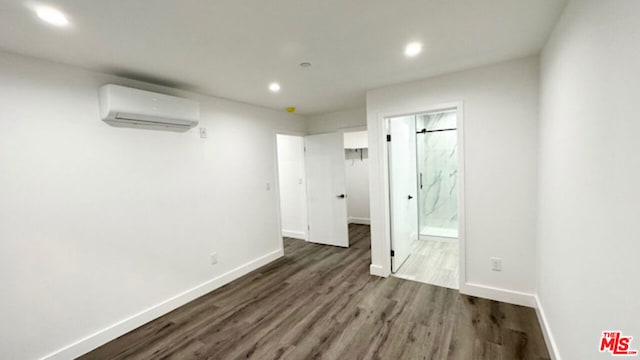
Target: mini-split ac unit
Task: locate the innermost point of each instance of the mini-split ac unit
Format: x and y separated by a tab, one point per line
127	107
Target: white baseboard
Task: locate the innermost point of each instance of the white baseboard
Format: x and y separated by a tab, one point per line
122	327
294	234
377	270
546	331
481	291
357	220
504	295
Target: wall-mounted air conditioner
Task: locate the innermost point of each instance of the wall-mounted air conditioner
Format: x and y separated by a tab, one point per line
127	107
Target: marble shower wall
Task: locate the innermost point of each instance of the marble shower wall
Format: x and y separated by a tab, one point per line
437	162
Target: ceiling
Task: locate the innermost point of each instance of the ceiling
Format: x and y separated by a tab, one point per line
235	48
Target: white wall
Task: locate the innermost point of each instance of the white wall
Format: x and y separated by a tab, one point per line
293	195
356	139
357	176
343	119
500	119
100	223
587	256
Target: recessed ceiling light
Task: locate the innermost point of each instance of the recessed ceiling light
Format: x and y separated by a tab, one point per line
413	49
52	16
275	87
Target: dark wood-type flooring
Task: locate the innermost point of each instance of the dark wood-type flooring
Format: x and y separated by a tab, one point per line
319	302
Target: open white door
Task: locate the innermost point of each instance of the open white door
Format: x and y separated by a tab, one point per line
326	189
403	185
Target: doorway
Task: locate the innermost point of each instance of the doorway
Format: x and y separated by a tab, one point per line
311	188
356	154
292	186
326	189
423	163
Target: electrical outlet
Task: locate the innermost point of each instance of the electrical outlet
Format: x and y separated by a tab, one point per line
496	264
214	258
268	186
203	133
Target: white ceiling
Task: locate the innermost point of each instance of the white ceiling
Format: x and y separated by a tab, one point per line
235	48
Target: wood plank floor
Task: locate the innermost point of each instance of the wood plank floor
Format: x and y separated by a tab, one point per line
432	262
319	302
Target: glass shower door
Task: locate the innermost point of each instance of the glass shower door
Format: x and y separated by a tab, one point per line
436	142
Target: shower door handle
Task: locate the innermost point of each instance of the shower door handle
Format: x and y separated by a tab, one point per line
420	180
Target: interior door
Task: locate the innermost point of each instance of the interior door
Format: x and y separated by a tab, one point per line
326	189
403	186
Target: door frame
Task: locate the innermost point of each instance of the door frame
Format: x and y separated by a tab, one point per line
276	183
384	162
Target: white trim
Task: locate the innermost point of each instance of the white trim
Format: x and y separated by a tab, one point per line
276	186
122	327
383	269
302	235
377	270
498	294
359	220
546	330
462	210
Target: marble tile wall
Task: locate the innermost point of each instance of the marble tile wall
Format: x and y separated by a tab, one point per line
437	162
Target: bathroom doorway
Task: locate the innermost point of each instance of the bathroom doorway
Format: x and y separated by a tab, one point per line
424	196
